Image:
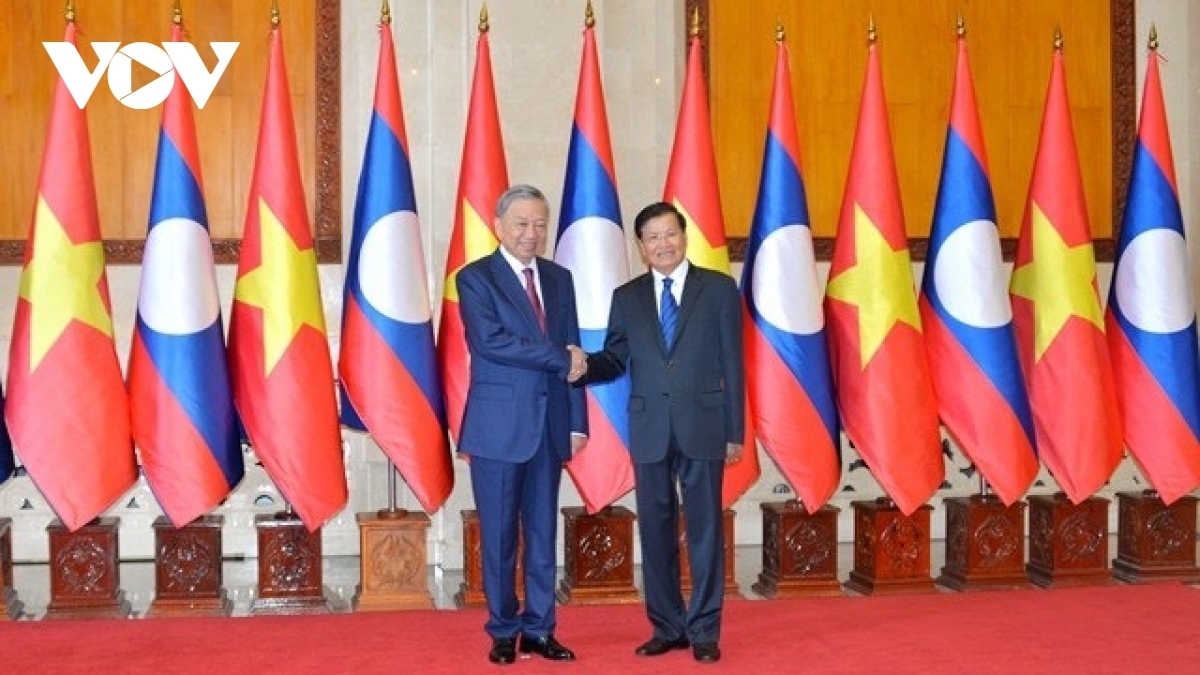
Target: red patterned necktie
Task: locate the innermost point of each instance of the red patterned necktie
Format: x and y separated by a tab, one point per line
531	291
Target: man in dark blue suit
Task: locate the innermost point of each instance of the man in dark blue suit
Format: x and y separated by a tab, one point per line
522	420
677	330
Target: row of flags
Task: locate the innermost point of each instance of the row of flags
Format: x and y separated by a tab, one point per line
987	356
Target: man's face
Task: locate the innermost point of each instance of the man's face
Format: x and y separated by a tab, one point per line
663	243
522	229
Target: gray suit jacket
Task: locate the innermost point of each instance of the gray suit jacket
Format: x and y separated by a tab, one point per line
695	390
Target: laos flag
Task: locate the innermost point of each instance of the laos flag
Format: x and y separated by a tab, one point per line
591	243
1151	317
388	364
965	308
787	359
180	397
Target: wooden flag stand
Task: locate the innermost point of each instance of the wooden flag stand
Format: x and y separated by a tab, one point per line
685	565
891	550
598	557
985	544
10	606
470	592
799	554
85	579
393	558
289	567
187	569
1155	542
1068	543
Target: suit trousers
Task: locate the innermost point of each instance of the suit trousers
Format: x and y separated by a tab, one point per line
511	497
699	482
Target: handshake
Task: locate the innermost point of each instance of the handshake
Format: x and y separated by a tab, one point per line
578	363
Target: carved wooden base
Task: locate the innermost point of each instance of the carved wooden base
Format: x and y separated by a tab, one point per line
891	550
685	566
1068	543
470	592
85	580
394	561
985	544
799	555
289	567
1155	542
10	606
187	569
598	557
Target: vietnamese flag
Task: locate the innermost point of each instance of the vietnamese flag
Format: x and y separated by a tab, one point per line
482	178
1057	316
67	410
880	369
282	373
692	187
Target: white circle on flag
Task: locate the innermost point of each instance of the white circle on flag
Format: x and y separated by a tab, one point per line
391	268
970	276
786	290
593	249
178	293
1153	284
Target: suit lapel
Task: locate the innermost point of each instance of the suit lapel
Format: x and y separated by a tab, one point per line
549	297
693	287
513	289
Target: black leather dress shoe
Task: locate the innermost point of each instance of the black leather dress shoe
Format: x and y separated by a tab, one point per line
504	651
547	647
657	646
706	652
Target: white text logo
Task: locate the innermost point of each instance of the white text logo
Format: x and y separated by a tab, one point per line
172	58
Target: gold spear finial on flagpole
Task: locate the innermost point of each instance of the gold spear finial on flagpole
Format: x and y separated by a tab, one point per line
589	16
385	14
695	31
872	33
70	13
483	19
177	14
274	12
1058	39
960	26
780	35
1153	37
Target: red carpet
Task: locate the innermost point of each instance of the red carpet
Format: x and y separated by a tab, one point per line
1116	629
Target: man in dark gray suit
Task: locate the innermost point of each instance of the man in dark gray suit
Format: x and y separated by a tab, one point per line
678	331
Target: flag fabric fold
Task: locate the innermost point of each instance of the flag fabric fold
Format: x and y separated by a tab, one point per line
282	372
787	356
692	187
880	368
180	397
966	313
1056	313
1151	317
482	178
388	362
67	410
591	243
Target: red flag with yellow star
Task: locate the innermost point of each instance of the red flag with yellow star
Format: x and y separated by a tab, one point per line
880	369
482	178
67	410
282	372
1057	316
692	187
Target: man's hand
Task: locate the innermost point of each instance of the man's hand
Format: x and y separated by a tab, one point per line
733	453
578	363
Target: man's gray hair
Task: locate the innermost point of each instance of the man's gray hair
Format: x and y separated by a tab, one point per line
519	191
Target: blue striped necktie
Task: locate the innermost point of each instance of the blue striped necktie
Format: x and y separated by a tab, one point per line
668	312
